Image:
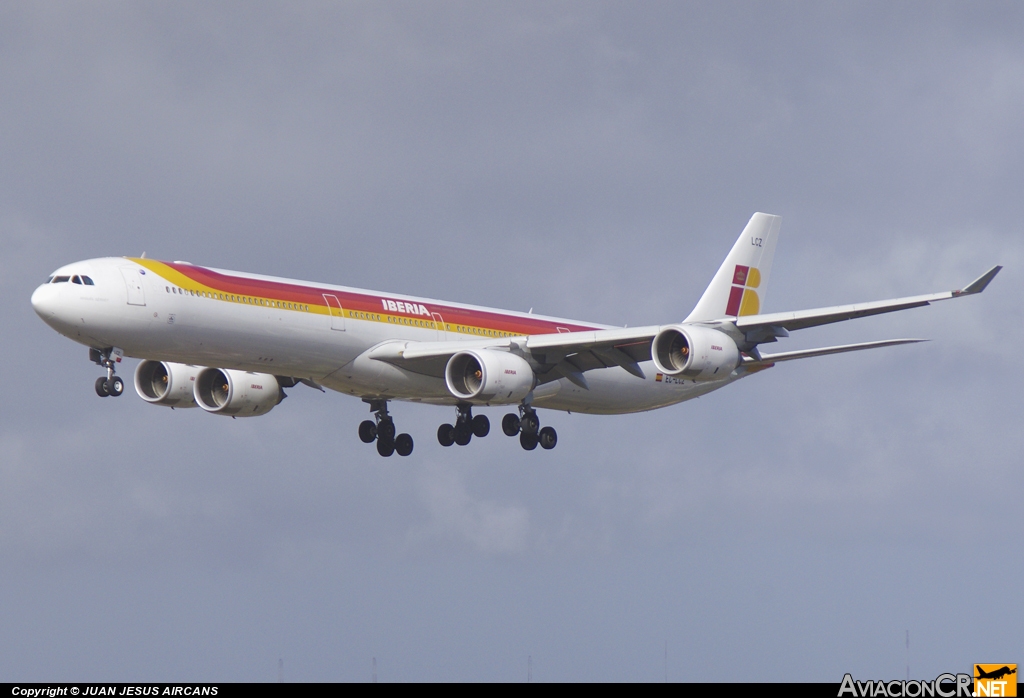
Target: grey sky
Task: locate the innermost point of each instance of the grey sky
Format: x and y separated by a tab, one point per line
588	160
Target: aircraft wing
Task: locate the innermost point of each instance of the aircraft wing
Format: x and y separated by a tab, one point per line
571	354
761	328
561	355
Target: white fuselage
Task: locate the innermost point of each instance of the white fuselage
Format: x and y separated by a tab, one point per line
193	315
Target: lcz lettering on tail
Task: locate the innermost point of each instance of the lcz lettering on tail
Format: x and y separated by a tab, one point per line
230	343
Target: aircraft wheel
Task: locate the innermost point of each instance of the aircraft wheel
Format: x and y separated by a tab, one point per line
529	423
115	386
386	430
548	438
528	441
446	435
403	444
101	387
510	424
367	432
481	426
385	447
463	433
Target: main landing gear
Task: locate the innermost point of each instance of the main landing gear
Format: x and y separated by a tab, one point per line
465	428
383	431
527	425
112	384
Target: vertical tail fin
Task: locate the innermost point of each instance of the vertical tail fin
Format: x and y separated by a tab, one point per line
741	282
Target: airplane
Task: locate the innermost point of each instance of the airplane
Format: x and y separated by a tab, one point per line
230	343
995	674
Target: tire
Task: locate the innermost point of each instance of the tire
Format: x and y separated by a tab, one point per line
481	426
529	423
386	430
528	441
385	447
101	387
446	435
403	444
115	386
510	424
463	433
548	438
367	432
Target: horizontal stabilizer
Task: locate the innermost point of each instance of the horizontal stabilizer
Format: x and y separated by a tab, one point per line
767	360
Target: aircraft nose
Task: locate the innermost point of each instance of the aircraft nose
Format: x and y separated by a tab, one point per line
44	301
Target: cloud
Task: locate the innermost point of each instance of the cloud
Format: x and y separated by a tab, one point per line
454	515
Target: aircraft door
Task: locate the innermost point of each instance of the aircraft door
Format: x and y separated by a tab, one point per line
133	282
336	311
442	335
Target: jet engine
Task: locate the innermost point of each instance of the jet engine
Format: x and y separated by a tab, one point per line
694	352
489	376
164	383
237	393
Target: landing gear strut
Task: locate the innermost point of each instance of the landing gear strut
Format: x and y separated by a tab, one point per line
465	428
527	425
111	384
383	431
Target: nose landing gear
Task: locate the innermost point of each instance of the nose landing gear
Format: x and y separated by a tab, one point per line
465	428
112	384
527	426
383	431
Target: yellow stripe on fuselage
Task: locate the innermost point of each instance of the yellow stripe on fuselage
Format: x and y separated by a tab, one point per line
190	285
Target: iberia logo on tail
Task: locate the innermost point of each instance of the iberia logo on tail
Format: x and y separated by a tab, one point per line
743	298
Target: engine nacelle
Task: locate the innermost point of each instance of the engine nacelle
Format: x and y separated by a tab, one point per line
694	352
489	376
165	383
237	393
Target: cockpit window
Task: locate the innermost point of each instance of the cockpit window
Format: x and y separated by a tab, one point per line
61	279
87	281
76	280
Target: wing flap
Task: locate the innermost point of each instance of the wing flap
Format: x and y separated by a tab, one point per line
613	356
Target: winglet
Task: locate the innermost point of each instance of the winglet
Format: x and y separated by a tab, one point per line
979	284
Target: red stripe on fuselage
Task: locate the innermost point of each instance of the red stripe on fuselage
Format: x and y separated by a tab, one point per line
369	303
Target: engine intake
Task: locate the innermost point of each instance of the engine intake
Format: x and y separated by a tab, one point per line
489	376
164	383
698	353
237	393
